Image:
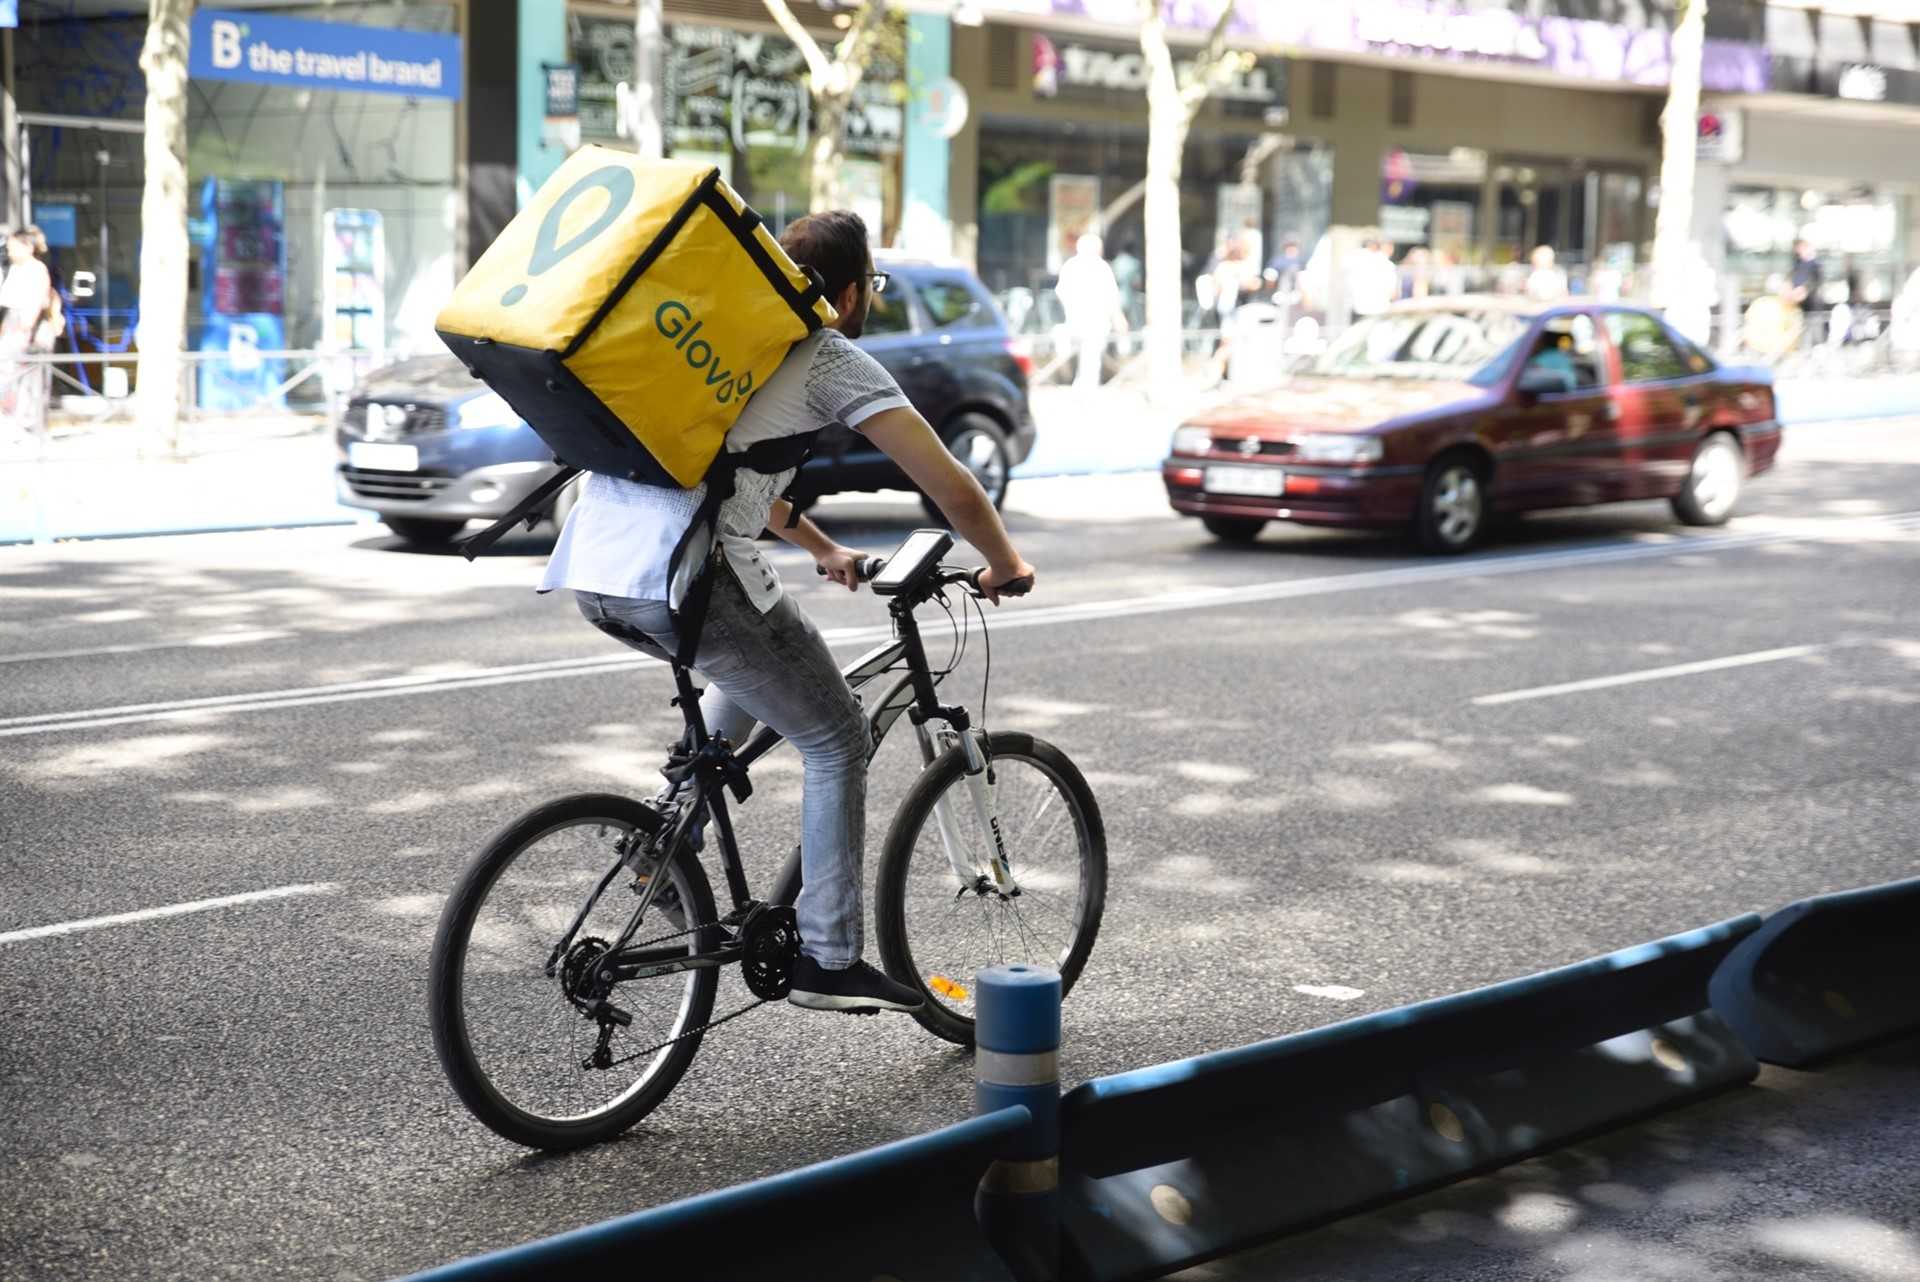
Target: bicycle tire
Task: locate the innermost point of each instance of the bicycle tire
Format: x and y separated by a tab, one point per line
948	1019
449	1018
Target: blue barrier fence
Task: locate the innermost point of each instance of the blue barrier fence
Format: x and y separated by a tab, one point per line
1135	1175
1825	976
1165	1167
914	1197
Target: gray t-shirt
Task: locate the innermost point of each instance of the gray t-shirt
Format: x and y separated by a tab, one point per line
621	534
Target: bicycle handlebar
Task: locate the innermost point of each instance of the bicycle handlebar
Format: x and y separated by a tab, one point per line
869	566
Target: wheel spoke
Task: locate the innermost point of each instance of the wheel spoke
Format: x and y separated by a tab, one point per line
1047	844
520	1033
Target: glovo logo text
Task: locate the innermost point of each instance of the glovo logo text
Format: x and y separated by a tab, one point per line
674	320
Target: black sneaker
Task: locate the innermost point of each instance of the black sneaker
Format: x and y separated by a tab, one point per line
857	990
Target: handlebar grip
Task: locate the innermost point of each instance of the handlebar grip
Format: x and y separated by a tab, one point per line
866	567
1012	587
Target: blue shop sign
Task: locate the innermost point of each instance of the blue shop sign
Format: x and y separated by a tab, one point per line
60	224
266	50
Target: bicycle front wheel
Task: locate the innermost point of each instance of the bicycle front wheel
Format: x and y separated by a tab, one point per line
516	1048
936	932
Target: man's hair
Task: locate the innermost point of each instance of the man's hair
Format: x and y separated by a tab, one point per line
833	243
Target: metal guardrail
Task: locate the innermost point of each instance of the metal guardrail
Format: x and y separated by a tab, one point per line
214	384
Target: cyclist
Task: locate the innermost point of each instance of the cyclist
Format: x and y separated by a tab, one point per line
763	658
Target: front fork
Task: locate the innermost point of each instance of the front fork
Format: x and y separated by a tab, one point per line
963	855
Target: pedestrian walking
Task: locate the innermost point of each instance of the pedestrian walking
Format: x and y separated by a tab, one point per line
31	320
1090	297
1547	282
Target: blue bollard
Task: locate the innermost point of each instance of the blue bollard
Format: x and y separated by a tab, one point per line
1017	1061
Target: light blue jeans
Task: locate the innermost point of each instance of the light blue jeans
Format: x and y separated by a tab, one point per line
775	669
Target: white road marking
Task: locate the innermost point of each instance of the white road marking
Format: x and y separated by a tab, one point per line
1045	616
1652	674
212	640
1337	992
171	910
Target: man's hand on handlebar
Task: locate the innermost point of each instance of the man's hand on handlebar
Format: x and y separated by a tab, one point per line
842	565
993	582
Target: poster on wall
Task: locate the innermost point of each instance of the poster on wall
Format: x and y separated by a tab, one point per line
1237	221
1073	210
1405	224
243	254
353	267
1452	227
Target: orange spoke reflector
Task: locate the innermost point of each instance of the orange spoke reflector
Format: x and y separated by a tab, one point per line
946	987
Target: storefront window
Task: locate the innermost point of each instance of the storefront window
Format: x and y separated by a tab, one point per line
1433	199
1857	233
739	100
318	217
1043	183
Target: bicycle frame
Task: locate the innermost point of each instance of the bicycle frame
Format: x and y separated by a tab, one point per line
915	694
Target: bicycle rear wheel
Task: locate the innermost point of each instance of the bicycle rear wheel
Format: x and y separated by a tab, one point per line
512	1044
935	934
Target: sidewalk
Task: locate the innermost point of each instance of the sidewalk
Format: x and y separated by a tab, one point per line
233	474
278	471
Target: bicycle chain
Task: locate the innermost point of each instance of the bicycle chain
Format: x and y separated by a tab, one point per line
691	1032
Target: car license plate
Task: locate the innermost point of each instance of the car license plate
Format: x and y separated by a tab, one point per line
379	456
1268	481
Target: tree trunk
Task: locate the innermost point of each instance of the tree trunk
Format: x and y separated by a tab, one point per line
649	61
827	152
163	220
1167	122
832	84
1679	129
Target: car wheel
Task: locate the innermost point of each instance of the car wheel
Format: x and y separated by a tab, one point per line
1234	529
423	531
1714	481
1453	505
981	446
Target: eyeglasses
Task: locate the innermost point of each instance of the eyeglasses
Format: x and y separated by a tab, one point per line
879	280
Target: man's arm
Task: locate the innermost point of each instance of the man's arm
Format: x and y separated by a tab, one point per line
907	439
838	562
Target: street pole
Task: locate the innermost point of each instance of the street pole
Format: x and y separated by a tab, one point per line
105	157
644	104
12	209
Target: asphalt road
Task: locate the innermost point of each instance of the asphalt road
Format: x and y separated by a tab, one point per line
1306	782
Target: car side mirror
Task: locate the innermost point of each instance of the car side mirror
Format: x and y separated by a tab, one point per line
1538	380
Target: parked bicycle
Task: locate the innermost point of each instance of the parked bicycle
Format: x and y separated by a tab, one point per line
574	971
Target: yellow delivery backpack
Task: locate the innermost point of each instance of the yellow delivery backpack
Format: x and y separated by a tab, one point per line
627	313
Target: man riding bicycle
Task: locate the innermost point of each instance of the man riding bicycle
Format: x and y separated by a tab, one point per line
764	659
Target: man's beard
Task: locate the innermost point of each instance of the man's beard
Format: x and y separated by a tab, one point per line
857	326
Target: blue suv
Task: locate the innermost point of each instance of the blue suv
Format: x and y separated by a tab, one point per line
428	448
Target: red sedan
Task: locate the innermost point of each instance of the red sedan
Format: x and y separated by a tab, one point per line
1440	413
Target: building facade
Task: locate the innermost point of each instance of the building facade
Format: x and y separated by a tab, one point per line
337	211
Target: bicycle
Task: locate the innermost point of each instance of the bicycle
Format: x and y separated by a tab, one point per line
997	854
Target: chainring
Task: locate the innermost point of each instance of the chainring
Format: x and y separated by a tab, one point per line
770	944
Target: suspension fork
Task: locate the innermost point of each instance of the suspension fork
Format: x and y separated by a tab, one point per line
963	855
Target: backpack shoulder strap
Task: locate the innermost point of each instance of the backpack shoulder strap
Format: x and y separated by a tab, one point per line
527	509
767	457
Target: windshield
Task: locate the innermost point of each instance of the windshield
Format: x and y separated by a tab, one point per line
1471	347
